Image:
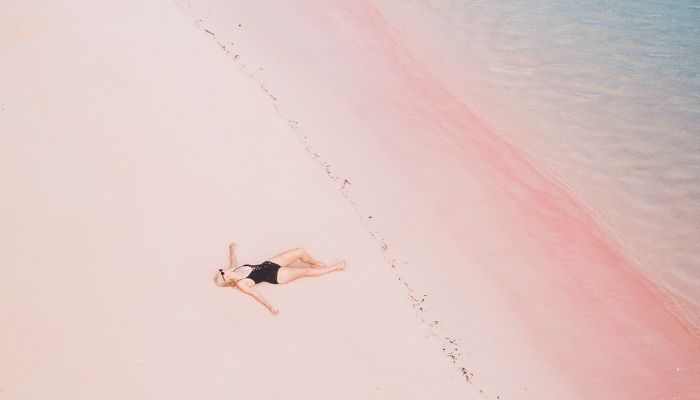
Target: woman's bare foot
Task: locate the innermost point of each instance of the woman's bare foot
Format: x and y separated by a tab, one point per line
340	266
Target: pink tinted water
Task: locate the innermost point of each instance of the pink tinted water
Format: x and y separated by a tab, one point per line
603	96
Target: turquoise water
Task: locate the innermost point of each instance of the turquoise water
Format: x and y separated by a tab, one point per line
604	95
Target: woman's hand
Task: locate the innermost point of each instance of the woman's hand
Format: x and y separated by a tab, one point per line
247	290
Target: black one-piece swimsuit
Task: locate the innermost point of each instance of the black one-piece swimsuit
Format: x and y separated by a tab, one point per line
265	272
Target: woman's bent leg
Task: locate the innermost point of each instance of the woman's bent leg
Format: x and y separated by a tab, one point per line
287	274
288	257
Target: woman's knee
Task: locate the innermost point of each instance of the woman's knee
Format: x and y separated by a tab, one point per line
300	252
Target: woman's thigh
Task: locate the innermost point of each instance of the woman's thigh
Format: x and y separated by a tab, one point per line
287	257
288	274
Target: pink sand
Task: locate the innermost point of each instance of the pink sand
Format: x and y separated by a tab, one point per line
137	144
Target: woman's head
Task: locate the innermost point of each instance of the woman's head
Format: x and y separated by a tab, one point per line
220	279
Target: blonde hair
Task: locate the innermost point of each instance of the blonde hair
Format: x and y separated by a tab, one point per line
219	280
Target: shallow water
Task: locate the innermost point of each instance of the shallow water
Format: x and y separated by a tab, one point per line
604	95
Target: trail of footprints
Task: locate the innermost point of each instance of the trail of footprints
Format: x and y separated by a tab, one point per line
450	346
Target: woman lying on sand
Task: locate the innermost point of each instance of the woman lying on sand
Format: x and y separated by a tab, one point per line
276	270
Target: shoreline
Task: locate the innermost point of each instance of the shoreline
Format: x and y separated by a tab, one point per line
419	28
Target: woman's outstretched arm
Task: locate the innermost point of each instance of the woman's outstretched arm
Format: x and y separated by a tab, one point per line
232	260
259	298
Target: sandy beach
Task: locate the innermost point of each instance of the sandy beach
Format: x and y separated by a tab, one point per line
141	138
